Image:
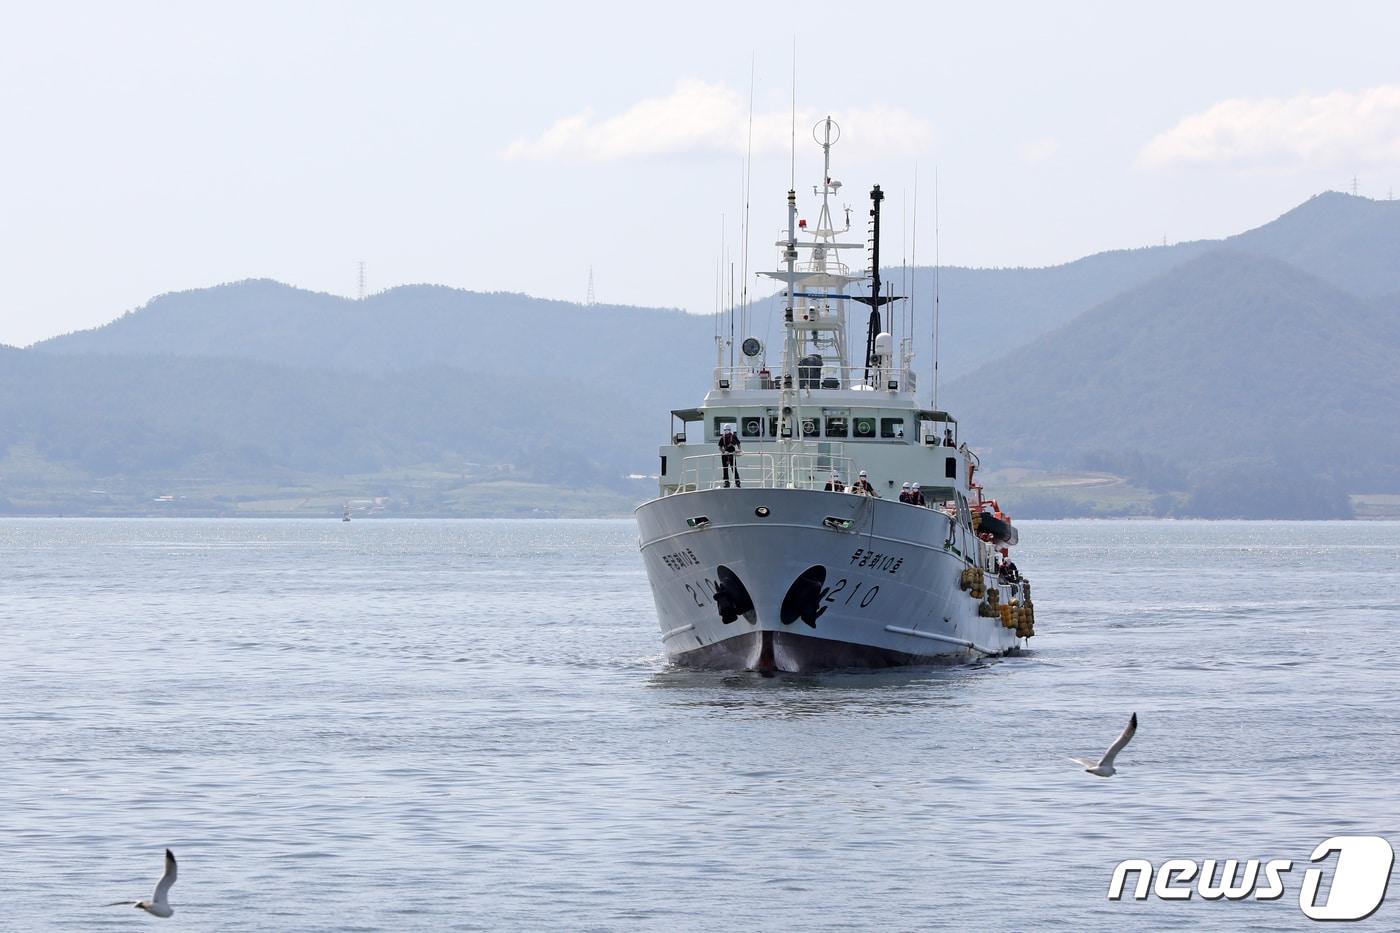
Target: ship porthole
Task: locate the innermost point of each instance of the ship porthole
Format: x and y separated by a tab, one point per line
761	511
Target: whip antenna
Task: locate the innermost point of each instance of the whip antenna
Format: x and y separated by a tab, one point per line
937	275
914	260
748	184
902	332
792	170
718	272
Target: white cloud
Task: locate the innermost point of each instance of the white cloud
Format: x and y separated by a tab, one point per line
1040	150
1337	129
698	117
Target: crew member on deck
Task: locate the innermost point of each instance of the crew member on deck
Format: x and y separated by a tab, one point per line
834	484
1006	569
728	447
916	497
948	437
862	486
904	495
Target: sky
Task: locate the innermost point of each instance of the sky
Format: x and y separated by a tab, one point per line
147	148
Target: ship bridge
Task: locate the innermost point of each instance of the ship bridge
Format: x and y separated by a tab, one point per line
815	412
894	443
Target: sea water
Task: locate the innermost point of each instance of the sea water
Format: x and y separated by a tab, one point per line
469	725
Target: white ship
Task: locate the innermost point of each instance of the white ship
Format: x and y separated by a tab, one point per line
788	565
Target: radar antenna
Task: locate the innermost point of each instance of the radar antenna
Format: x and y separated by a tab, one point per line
875	300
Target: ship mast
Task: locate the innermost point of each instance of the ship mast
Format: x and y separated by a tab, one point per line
825	234
790	397
793	353
814	318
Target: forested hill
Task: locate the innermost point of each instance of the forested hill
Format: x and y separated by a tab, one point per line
1265	359
406	328
269	387
1350	242
1232	377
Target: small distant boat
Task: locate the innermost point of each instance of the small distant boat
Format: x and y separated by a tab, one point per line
346	516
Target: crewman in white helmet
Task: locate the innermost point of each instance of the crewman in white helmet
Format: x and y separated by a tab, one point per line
862	486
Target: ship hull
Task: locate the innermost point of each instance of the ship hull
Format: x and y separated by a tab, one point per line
802	580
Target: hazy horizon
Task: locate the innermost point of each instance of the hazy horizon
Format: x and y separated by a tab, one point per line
161	148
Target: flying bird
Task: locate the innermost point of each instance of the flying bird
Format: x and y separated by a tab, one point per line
1104	766
158	905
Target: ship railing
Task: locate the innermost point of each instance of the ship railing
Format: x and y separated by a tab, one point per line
813	470
799	469
817	378
706	471
830	266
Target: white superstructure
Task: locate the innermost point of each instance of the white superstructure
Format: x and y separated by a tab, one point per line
784	571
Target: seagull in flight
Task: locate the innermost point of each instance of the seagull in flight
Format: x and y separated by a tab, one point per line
158	905
1104	766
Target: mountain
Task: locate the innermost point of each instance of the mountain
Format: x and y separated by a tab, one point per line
1349	242
1249	376
502	374
1352	243
426	394
93	433
510	335
1226	369
113	416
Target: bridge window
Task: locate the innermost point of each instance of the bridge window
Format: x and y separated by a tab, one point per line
750	426
892	427
811	427
836	426
865	426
